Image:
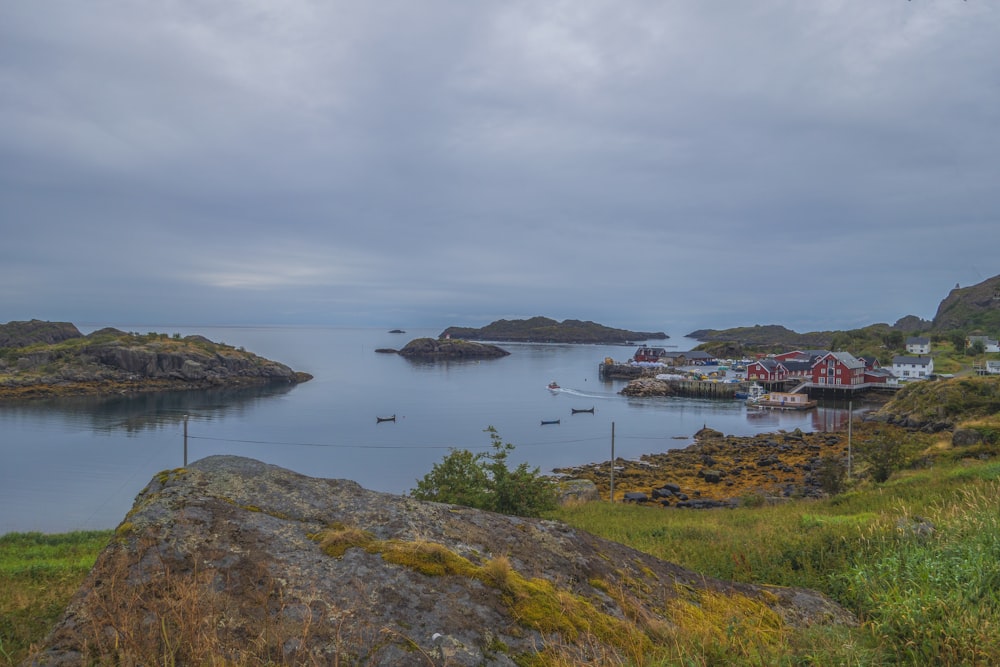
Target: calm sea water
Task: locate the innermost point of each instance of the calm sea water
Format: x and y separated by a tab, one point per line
78	464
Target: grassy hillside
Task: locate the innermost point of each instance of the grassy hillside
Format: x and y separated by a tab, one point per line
915	558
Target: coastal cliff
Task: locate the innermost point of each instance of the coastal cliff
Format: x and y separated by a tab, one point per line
45	359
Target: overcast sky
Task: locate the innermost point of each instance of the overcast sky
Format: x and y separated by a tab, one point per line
664	165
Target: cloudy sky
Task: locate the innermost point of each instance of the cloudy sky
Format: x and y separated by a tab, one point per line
664	165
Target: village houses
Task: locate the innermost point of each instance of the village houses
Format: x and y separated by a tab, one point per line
820	367
912	368
918	345
989	344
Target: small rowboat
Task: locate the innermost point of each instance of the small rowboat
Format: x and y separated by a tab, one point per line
577	411
379	420
554	421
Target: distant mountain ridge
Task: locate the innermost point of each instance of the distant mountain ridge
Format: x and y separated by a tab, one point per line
975	308
546	330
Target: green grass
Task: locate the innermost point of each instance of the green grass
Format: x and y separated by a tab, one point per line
38	576
917	559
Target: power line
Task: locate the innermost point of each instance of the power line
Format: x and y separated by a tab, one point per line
343	446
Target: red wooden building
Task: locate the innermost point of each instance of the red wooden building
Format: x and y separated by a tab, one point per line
766	370
838	369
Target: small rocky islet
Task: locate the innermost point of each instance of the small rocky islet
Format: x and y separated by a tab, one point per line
445	349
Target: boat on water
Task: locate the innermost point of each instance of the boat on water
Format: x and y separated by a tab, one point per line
754	394
553	386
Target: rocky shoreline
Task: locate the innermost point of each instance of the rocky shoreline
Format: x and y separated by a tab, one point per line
720	470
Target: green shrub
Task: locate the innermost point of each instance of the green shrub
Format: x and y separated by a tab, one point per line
485	482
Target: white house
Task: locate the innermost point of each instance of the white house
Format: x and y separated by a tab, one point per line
918	345
912	368
989	345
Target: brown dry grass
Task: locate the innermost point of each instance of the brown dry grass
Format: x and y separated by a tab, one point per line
174	613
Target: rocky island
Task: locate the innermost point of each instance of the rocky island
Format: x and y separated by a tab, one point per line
48	359
443	349
546	330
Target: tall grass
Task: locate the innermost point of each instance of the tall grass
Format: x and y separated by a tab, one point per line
917	559
929	585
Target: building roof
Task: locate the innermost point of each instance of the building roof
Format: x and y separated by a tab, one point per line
811	355
985	339
846	358
769	364
918	340
797	365
917	361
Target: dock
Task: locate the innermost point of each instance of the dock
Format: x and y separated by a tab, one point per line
691	388
706	388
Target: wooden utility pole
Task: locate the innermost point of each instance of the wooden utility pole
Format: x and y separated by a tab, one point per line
185	441
850	424
611	494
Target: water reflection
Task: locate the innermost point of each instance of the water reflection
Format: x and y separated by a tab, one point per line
826	417
137	413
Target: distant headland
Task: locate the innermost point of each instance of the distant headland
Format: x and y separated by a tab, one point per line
41	359
546	330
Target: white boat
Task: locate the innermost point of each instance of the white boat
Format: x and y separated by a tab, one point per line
756	394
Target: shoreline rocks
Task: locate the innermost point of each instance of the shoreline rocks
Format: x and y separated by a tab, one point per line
719	470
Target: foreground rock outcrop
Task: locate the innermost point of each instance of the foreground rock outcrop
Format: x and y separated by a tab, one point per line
232	558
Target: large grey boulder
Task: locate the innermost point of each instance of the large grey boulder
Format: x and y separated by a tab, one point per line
236	561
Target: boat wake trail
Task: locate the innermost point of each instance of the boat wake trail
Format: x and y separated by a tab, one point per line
584	394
